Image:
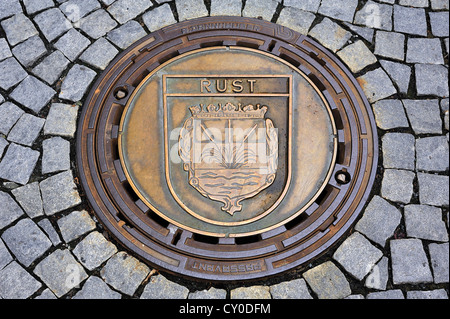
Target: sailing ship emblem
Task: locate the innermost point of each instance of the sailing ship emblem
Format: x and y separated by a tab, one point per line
229	151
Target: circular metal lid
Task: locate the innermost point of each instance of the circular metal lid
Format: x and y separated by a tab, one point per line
227	149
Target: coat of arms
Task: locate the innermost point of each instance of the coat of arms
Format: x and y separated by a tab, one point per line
229	151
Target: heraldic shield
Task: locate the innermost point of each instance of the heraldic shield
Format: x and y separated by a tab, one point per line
229	151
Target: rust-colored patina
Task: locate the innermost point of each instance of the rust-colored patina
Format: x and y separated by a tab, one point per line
227	149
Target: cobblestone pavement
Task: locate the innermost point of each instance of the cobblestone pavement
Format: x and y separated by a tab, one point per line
51	51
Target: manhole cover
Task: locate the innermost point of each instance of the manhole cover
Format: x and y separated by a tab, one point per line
227	149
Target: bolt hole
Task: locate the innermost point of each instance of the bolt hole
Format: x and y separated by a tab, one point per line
342	177
121	93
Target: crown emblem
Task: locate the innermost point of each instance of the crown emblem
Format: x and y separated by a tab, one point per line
229	111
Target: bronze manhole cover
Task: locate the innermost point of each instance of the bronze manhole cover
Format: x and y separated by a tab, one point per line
227	149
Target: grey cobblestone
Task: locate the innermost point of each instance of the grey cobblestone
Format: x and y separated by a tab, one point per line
9	115
433	189
439	257
389	294
125	273
398	150
330	34
375	15
226	7
379	275
97	24
425	222
95	288
72	44
327	281
341	10
52	23
75	225
76	83
159	18
409	262
357	56
29	198
29	51
9	210
33	6
99	54
55	155
51	67
307	5
9	8
18	163
5	51
431	80
439	24
26	130
18	28
17	283
3	145
125	10
253	292
26	241
377	85
94	250
390	45
50	231
11	73
47	294
33	94
414	3
74	10
212	293
432	294
379	221
439	4
432	153
397	185
410	20
294	289
5	256
390	114
159	287
127	34
424	116
399	73
60	272
296	19
255	9
59	193
424	50
190	9
61	120
365	33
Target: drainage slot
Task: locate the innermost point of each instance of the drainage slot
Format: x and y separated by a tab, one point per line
296	221
157	219
205	239
248	240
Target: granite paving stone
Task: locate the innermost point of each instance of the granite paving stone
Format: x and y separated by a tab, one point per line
125	10
253	292
11	73
17	283
431	294
95	288
307	5
378	276
439	4
296	19
375	15
3	145
399	73
18	28
424	50
50	231
159	287
424	116
256	9
414	3
99	54
432	80
29	51
379	221
61	120
33	6
445	110
398	150
211	293
29	198
343	10
410	20
397	185
327	281
52	23
330	34
72	44
59	193
125	273
9	115
433	189
94	250
425	222
2	99
18	163
159	17
97	24
390	45
5	51
75	225
376	85
357	255
55	155
432	154
293	289
439	23
357	56
5	256
47	294
74	10
388	294
51	68
26	130
226	7
409	262
26	241
390	114
76	83
357	297
439	257
60	272
33	93
10	211
127	34
365	33
9	8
